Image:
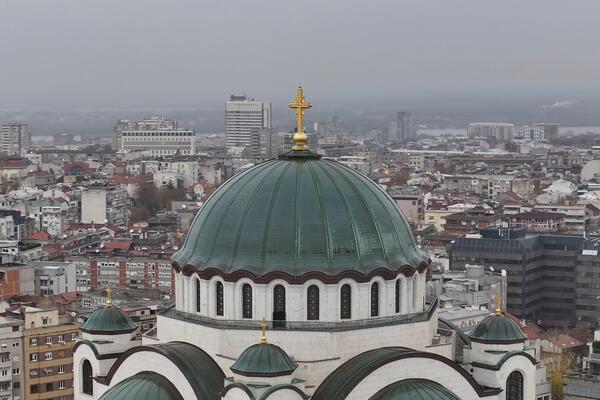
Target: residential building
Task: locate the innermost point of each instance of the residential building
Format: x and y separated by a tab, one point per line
15	138
244	119
11	359
537	221
48	340
470	221
500	131
550	130
529	132
411	205
102	205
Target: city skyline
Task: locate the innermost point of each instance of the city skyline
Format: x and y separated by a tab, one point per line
394	51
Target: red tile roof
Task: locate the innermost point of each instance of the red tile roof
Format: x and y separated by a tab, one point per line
39	235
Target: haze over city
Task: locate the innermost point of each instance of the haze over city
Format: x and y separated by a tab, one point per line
463	58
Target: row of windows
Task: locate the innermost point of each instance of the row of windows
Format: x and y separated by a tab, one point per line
50	386
49	339
312	301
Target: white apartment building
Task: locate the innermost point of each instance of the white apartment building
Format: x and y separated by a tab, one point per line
244	120
529	132
105	204
153	123
501	131
159	142
15	138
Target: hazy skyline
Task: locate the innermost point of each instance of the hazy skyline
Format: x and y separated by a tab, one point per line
184	53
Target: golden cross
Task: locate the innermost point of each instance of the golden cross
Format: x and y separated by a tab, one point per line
108	300
299	105
263	327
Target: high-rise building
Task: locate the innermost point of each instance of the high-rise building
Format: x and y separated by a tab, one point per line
244	119
15	138
403	125
500	131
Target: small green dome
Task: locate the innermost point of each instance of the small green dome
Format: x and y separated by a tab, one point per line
264	359
142	386
497	329
296	215
108	320
414	389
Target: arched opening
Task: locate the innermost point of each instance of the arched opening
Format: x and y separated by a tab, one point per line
198	302
375	299
278	306
514	386
246	301
397	295
312	303
346	302
87	383
219	298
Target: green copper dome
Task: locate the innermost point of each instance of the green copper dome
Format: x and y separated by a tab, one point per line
108	320
414	389
143	386
264	359
296	215
497	329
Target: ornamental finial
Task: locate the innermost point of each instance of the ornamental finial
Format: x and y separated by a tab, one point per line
299	105
498	303
263	327
108	299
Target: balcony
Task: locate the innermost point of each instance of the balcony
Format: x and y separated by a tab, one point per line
304	325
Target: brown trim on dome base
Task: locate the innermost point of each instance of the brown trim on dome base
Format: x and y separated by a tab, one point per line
515	341
108	333
385	273
262	374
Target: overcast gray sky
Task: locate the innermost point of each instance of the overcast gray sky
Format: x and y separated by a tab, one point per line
188	53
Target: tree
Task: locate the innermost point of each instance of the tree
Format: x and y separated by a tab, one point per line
558	365
399	179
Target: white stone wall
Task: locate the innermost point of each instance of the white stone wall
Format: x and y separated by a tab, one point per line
412	297
498	378
422	368
317	353
151	361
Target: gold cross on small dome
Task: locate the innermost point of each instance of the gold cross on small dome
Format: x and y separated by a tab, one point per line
299	105
108	299
263	327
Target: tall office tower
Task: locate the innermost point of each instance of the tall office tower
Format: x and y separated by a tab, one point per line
501	131
403	125
529	132
15	138
105	205
153	123
243	119
550	130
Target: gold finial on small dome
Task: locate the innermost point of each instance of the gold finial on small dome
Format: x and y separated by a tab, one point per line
498	303
108	299
299	105
263	327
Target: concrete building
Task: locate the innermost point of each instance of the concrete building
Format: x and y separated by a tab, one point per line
500	131
11	359
15	138
529	132
153	123
105	205
53	278
552	279
159	142
551	130
244	119
48	340
403	126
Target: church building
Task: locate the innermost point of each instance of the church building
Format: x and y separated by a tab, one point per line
300	279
